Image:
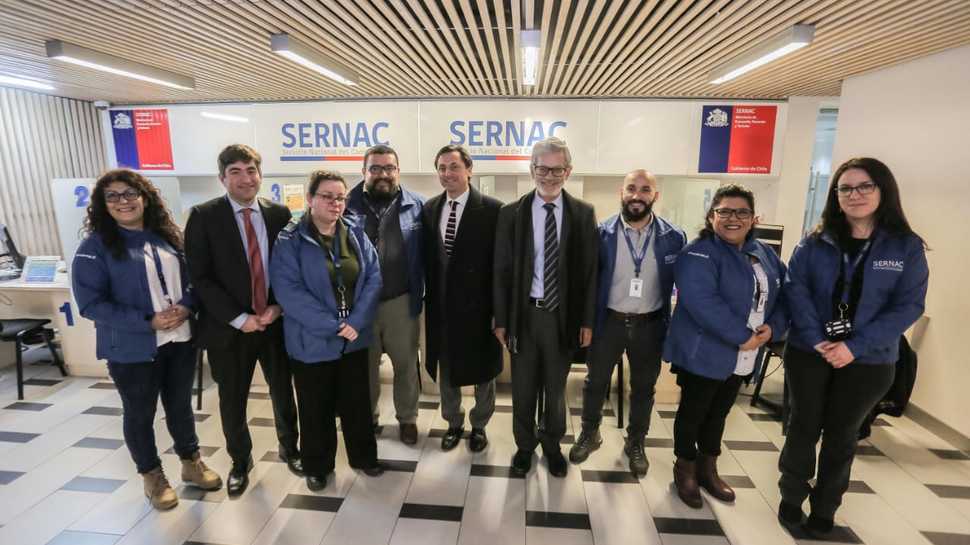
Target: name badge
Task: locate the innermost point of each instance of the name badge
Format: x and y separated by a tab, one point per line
762	302
636	287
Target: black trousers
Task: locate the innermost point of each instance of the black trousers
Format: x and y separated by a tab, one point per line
232	369
641	340
324	390
704	406
828	403
170	377
541	362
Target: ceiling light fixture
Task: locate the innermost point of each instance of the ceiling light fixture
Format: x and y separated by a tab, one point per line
89	58
790	40
529	44
24	82
226	117
304	55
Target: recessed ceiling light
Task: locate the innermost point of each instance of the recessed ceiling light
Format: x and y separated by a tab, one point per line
304	55
788	41
89	58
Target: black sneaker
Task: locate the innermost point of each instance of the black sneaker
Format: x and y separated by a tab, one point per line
638	459
589	440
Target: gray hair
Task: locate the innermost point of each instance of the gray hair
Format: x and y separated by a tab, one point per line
551	145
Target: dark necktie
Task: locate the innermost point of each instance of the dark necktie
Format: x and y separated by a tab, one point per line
550	273
256	273
451	227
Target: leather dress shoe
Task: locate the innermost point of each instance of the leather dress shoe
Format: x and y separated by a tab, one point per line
451	438
316	482
238	478
557	463
522	461
293	462
409	434
375	470
477	441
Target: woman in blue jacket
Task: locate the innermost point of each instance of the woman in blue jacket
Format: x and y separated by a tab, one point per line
853	287
728	305
326	277
129	277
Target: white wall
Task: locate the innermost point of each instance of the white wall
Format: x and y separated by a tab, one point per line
915	118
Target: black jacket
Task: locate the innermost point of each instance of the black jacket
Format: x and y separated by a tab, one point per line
578	248
219	269
463	313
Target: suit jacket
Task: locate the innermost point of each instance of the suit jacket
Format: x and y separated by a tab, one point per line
219	269
459	302
577	268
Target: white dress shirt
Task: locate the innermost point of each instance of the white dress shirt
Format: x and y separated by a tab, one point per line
462	200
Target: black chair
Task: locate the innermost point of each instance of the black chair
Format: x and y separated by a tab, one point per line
15	330
772	350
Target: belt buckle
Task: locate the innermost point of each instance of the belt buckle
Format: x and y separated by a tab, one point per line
540	303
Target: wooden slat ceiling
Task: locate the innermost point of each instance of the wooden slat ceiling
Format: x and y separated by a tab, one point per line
469	48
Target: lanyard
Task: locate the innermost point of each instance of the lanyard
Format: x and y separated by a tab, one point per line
638	258
342	310
847	270
158	270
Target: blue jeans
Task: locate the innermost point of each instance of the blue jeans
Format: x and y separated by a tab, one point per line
140	385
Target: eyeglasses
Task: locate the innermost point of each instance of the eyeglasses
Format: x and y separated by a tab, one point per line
546	171
331	198
386	169
740	213
865	188
129	195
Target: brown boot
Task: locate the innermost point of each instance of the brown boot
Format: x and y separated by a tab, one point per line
195	472
158	491
709	480
685	480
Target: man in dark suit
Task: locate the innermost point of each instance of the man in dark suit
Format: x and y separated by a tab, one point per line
228	241
459	230
545	297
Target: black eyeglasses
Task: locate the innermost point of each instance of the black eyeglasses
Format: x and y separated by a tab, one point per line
331	198
545	171
865	188
386	169
128	194
740	213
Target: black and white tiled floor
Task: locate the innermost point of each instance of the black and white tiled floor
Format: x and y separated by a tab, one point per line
66	478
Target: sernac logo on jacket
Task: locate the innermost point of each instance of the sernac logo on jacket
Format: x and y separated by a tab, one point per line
895	265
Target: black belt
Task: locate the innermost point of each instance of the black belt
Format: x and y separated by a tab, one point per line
633	317
537	303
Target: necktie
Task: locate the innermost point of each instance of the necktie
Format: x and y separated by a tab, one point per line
255	257
451	227
550	274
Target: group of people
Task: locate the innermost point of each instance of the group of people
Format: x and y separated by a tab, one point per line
319	300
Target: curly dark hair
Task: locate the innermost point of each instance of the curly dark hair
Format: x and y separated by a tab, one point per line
157	218
723	192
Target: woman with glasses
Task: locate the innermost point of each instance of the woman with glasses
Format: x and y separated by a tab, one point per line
728	305
130	278
854	286
326	277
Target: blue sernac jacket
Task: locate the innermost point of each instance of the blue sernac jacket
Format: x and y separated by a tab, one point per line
895	279
715	284
302	286
114	294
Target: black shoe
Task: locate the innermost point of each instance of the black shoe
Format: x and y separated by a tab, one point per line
239	478
589	440
293	462
316	482
477	441
557	463
522	462
451	438
375	470
818	527
790	516
638	459
409	434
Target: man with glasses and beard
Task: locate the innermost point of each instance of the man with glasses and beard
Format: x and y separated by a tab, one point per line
637	251
391	216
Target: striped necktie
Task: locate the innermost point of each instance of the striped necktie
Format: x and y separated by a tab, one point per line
451	227
550	273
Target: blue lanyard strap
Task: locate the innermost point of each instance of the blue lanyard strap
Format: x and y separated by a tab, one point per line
637	257
158	270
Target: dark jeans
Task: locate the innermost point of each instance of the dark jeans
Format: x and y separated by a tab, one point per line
541	362
831	404
140	385
704	406
232	369
324	390
641	340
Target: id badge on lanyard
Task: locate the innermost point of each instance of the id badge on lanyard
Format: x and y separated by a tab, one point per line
636	283
161	276
343	310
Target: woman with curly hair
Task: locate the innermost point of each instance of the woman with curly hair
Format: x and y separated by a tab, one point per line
130	278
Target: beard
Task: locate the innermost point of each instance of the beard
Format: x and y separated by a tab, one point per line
631	215
382	189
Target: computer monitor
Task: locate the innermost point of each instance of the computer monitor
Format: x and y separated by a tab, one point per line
11	260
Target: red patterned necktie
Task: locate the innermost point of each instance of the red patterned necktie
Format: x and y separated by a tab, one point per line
256	272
